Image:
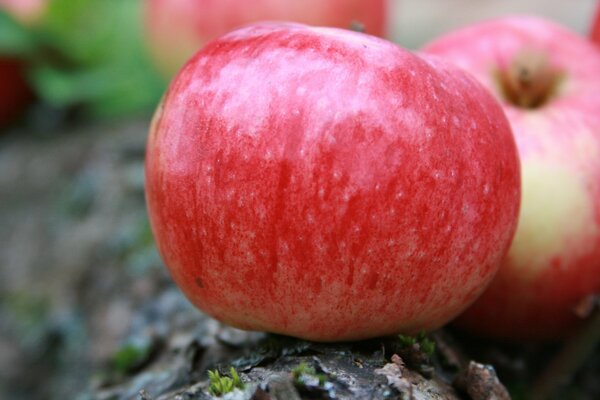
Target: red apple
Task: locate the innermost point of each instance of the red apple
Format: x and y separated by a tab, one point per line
15	93
595	33
547	80
175	29
329	185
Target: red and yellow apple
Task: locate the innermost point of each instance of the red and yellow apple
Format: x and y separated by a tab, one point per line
329	185
547	79
176	29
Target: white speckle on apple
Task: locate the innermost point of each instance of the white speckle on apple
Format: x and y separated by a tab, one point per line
301	90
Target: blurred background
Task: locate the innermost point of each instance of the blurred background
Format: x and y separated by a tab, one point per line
79	80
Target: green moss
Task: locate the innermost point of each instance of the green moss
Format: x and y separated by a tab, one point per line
220	385
128	357
406	341
303	370
425	344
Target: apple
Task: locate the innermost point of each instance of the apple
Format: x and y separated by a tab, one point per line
329	185
595	33
175	29
27	12
15	93
547	81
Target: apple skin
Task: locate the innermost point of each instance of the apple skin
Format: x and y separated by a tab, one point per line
15	94
554	261
176	29
329	185
595	32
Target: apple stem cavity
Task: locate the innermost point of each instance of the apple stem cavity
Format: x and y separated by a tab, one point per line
529	81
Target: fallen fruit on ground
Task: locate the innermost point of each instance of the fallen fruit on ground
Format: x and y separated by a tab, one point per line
548	81
176	29
329	185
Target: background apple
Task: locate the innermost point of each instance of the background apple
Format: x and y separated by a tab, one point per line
595	33
27	12
15	93
176	29
329	185
548	82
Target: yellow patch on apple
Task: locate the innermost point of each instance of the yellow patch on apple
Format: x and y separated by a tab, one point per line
555	217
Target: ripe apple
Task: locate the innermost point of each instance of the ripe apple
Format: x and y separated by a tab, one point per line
329	185
595	33
547	81
176	29
15	93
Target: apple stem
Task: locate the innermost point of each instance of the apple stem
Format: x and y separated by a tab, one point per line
357	26
569	359
529	81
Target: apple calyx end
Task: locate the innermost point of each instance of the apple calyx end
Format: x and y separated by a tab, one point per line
529	81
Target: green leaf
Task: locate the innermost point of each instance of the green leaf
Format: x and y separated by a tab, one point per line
96	59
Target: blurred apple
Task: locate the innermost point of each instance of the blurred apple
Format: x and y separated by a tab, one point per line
176	29
595	33
548	81
27	12
15	93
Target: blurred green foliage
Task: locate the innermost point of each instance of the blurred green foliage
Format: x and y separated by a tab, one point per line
88	54
130	356
15	39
